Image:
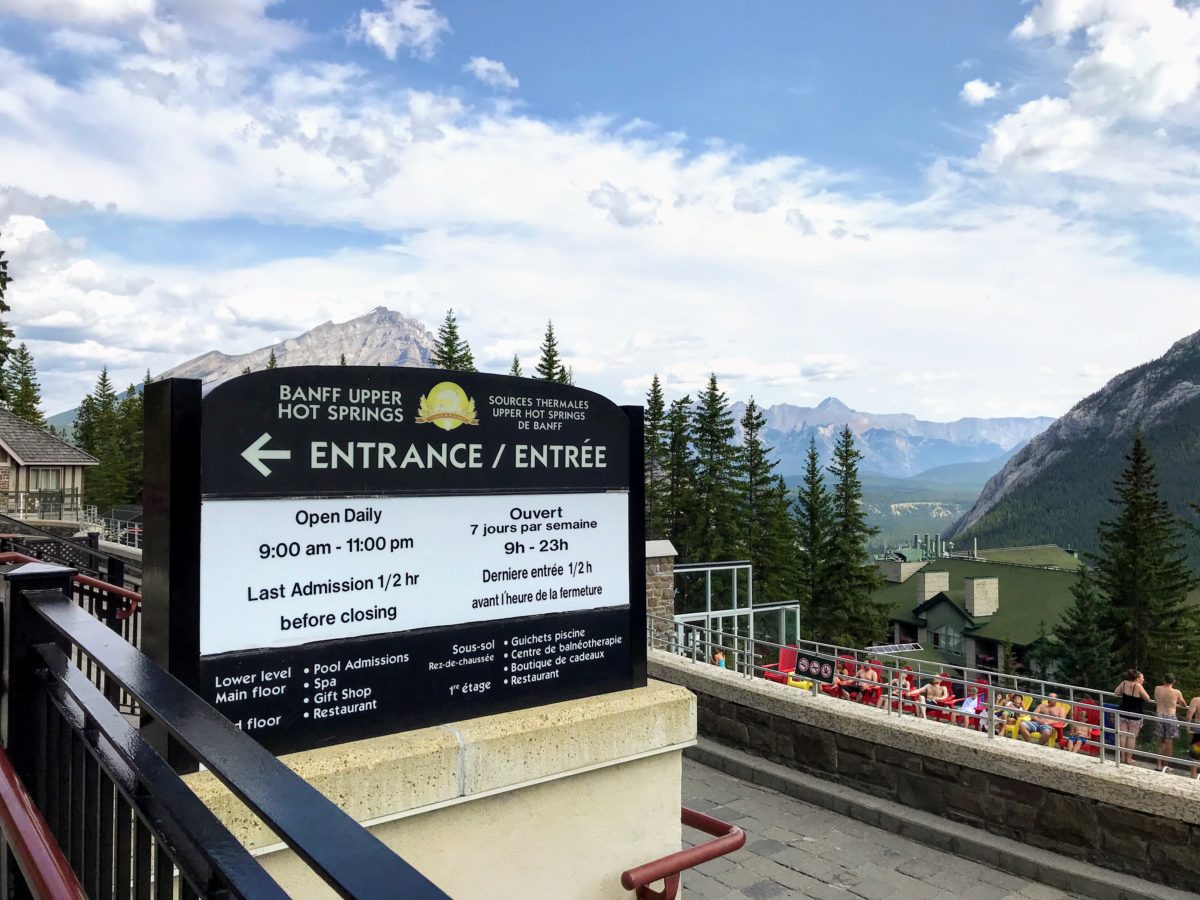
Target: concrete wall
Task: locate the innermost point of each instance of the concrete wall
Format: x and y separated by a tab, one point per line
554	801
1124	818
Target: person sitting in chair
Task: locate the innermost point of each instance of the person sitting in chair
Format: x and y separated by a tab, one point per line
1049	713
931	694
969	707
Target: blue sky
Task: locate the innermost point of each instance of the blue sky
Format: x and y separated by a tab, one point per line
904	205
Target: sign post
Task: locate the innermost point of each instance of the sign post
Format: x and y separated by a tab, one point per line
334	553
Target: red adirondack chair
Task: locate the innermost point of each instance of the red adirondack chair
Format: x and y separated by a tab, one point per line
779	671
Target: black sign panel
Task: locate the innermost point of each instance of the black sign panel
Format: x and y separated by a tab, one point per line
815	667
336	431
357	551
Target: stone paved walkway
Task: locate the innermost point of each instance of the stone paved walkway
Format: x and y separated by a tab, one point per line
794	849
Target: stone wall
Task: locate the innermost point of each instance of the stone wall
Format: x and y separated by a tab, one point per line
660	588
1124	818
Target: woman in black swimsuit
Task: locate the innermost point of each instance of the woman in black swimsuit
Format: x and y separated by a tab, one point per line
1129	716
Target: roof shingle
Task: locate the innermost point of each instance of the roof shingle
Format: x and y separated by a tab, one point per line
31	446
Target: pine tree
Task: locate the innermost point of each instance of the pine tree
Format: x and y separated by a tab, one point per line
767	531
245	370
106	484
515	369
813	525
715	498
342	360
450	350
1141	569
24	392
846	611
1081	647
550	365
131	427
272	361
5	332
679	499
656	460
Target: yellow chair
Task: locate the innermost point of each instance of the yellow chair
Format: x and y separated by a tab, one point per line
1010	730
804	685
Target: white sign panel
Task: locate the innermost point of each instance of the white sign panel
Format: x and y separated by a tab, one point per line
279	573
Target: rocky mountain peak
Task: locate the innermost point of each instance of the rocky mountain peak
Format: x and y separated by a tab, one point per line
381	337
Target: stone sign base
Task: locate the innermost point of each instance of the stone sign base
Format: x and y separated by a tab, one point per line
554	801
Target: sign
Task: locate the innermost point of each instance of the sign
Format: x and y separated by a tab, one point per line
354	551
814	666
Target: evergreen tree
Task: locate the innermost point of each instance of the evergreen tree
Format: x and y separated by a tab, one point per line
24	392
656	460
98	432
245	370
5	332
450	350
1081	646
130	425
680	469
272	361
515	369
1141	569
846	611
550	365
814	525
1040	654
767	531
716	501
342	360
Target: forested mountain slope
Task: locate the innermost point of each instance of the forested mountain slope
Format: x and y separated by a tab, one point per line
1057	489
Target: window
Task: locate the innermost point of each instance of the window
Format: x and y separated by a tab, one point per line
45	479
948	640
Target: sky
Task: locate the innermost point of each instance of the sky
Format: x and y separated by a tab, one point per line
942	208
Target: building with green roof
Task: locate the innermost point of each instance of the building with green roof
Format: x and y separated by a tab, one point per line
967	610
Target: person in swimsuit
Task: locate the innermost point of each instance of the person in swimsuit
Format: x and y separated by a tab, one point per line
1193	716
1131	692
1167	700
930	694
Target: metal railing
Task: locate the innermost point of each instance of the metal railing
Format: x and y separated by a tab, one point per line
1104	733
125	821
122	531
84	555
63	506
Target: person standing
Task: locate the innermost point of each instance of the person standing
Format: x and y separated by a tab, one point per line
1193	716
1167	701
1131	692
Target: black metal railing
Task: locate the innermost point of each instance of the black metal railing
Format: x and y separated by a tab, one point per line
126	822
83	554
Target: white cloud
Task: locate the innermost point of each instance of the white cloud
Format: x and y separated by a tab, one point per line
87	12
492	72
758	197
628	208
84	43
796	219
1043	135
977	92
410	24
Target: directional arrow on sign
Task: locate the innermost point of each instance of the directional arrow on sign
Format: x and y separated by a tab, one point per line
255	454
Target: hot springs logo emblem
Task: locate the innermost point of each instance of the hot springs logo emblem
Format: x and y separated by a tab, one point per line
447	406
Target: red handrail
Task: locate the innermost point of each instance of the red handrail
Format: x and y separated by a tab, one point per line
134	598
41	860
727	838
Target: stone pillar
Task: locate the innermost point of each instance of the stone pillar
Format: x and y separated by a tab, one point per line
660	589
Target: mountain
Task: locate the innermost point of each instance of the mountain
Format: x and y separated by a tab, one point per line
894	444
1057	488
380	338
